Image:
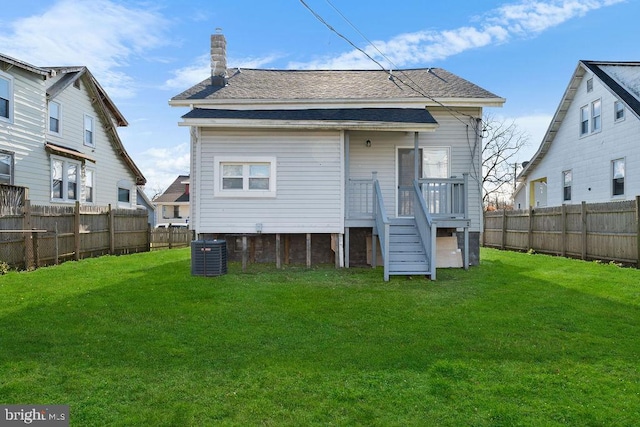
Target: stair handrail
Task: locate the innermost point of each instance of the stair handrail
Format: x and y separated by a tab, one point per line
382	228
427	227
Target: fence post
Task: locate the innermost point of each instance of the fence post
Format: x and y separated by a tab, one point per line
26	225
503	243
530	236
76	230
563	218
583	217
36	249
112	231
638	231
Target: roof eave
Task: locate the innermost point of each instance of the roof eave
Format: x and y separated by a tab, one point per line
332	103
309	124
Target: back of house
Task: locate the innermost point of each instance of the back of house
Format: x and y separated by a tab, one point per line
310	164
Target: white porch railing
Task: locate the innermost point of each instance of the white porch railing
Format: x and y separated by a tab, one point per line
446	198
427	228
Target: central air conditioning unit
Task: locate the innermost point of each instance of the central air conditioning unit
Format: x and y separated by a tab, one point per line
208	257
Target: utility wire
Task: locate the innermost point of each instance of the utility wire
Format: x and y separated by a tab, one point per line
414	86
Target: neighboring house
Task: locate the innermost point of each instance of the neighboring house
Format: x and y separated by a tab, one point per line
172	206
330	155
58	138
590	152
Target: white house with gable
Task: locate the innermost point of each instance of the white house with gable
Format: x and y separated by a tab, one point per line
59	139
337	159
590	152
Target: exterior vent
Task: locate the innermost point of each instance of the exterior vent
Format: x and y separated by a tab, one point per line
208	257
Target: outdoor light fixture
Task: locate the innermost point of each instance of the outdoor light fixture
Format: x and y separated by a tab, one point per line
368	143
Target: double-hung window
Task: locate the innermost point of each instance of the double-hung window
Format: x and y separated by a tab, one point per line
6	168
89	137
596	116
54	117
567	182
584	120
89	185
617	174
248	177
6	97
618	111
64	180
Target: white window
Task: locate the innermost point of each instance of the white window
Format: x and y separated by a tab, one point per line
6	168
6	97
54	117
124	195
567	182
618	111
435	162
590	85
64	180
596	116
88	131
89	185
584	120
617	174
246	177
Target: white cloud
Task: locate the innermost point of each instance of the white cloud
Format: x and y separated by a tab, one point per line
100	34
523	19
161	166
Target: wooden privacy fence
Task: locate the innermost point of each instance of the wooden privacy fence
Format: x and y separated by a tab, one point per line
170	238
598	231
43	235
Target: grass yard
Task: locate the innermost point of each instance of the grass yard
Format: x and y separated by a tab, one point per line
525	340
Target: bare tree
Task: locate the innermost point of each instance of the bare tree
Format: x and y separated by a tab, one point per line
501	143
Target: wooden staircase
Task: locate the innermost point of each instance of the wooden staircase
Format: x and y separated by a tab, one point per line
406	251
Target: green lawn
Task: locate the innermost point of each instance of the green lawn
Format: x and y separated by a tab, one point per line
523	339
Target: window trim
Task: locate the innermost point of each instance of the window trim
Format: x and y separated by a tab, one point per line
66	162
624	176
590	85
12	163
617	119
92	143
10	80
566	173
219	161
59	118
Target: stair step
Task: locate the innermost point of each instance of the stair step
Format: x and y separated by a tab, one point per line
408	267
404	238
407	257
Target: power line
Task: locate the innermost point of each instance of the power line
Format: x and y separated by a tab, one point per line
415	86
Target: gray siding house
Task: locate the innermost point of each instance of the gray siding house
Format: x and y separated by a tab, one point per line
58	138
329	157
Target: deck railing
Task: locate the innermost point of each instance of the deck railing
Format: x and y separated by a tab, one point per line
382	230
360	196
426	226
446	198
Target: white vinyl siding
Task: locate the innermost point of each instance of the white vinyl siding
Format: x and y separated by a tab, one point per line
309	197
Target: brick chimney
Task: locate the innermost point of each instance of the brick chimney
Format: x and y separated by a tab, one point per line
218	59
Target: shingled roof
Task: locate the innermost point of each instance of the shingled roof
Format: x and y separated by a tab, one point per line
326	85
176	192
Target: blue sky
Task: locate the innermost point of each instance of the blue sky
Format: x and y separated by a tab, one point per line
145	52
